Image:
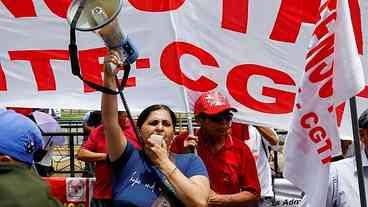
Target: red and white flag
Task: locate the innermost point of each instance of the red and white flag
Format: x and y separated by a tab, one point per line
333	73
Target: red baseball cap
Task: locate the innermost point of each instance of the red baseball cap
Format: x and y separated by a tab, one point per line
212	103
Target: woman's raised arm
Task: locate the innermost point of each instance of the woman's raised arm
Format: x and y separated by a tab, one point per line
116	140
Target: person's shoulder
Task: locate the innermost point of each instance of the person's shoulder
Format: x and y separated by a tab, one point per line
31	184
187	158
236	142
98	130
343	163
191	164
342	169
182	136
96	133
343	166
240	146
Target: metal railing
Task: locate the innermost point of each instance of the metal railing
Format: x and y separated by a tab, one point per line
67	159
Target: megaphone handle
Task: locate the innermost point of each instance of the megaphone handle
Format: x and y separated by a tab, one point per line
192	149
112	67
190	125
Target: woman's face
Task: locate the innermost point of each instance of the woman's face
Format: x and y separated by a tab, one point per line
158	122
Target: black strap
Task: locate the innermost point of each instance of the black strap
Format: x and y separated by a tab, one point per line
168	190
73	52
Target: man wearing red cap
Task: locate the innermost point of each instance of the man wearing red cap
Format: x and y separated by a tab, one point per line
230	164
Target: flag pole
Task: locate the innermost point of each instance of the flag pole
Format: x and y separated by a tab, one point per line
358	155
189	119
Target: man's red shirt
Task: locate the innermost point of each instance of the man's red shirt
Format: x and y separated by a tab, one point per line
231	170
240	130
96	142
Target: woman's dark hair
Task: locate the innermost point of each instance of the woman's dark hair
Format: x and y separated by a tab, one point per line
146	112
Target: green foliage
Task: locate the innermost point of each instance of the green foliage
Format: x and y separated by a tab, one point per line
72	115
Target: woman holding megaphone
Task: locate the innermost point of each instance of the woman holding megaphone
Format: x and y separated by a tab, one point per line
153	176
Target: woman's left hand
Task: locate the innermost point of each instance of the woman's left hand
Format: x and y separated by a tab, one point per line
112	63
157	153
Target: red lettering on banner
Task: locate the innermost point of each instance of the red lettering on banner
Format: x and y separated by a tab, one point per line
237	81
357	24
24	9
322	50
291	15
331	4
142	63
40	62
327	159
156	5
2	80
322	28
316	55
309	119
326	90
326	147
170	65
58	7
235	15
320	73
91	69
27	8
317	134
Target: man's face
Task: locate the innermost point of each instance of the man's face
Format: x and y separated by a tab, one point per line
122	117
345	146
217	125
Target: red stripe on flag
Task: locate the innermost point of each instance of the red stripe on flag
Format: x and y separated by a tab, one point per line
3	86
364	92
339	112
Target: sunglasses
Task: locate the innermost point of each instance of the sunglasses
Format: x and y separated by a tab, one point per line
221	117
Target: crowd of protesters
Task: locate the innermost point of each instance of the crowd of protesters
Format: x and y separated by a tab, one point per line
221	164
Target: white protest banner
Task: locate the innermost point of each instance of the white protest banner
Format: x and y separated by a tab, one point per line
251	50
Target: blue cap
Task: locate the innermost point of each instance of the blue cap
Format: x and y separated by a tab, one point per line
19	136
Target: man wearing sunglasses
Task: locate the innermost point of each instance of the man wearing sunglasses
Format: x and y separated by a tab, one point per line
230	164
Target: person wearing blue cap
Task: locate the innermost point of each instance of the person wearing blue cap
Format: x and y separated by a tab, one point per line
20	138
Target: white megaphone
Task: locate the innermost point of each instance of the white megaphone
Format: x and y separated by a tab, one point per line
100	16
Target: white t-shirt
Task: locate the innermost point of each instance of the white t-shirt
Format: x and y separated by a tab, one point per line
263	166
343	188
